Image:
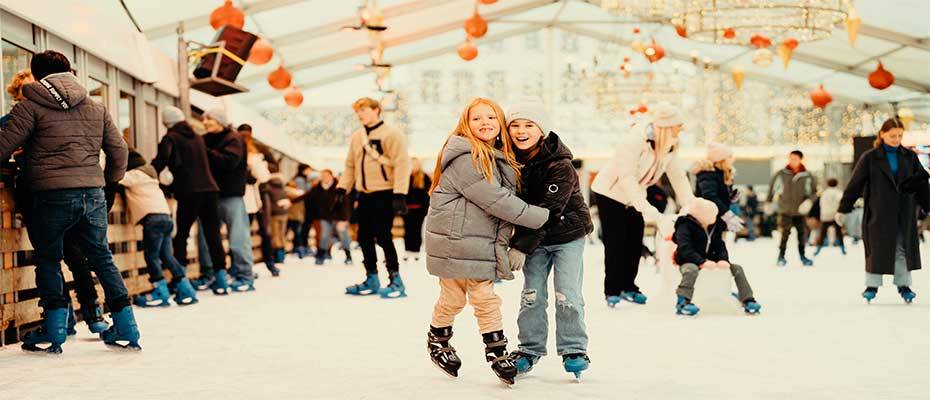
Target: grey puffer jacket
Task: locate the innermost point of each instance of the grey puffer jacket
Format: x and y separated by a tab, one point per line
792	189
62	132
470	220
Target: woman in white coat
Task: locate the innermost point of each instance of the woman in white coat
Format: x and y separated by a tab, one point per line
620	194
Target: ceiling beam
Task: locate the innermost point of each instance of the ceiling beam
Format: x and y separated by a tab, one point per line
308	85
397	41
896	37
201	21
819	61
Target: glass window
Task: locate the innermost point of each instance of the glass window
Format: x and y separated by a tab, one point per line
533	41
569	42
147	138
127	121
572	86
429	87
15	59
533	83
496	85
97	90
463	86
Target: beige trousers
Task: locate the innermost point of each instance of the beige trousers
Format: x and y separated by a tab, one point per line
480	294
278	231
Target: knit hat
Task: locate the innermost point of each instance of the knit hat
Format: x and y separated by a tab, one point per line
530	109
665	115
218	115
718	152
171	115
703	210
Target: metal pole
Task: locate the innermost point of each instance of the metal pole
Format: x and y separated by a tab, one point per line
184	85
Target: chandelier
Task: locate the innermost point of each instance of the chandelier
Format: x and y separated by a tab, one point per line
639	10
616	92
735	21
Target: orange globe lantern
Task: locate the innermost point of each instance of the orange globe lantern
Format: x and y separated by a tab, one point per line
261	52
488	1
760	41
476	26
280	78
293	97
880	78
642	109
468	51
654	52
821	97
227	14
729	33
681	31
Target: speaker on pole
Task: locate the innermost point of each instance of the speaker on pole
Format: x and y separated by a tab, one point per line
221	62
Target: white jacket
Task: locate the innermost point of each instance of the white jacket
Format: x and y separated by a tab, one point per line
143	195
619	179
829	203
258	168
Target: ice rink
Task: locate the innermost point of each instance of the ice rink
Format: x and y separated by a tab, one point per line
300	337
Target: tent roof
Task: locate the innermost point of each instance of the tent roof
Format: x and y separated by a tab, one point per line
308	39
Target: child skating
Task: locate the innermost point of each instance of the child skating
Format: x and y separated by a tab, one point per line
699	236
468	226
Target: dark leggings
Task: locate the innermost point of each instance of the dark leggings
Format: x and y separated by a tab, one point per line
623	229
205	207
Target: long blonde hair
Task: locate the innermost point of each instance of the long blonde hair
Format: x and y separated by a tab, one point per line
482	153
663	142
17	82
419	177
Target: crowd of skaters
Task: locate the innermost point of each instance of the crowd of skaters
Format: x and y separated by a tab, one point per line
503	197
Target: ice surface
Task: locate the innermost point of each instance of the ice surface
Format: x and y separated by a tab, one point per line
300	337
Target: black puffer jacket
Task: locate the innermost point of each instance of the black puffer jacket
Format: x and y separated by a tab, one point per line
226	152
709	185
550	181
692	241
323	202
184	153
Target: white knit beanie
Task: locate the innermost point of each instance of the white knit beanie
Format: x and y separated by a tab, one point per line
703	210
218	115
665	115
530	109
718	152
171	115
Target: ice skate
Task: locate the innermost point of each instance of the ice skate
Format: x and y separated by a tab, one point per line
612	301
750	306
441	352
575	364
524	362
185	295
158	298
495	352
220	285
634	297
684	306
124	329
869	294
907	294
395	289
54	331
370	286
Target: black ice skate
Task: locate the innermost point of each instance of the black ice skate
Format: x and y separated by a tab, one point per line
495	352
441	352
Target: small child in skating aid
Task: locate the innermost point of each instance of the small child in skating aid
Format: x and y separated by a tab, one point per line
470	220
699	236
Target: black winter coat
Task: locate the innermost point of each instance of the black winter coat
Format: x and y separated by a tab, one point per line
226	152
419	198
323	203
890	206
697	245
184	153
549	180
710	185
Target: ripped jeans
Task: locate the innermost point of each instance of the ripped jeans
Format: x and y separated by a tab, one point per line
567	260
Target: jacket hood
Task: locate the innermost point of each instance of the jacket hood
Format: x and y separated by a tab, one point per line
183	128
149	170
551	149
458	146
57	91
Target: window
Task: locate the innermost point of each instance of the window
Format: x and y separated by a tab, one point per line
533	84
15	59
532	41
97	91
429	87
496	85
147	139
572	86
569	42
126	119
463	86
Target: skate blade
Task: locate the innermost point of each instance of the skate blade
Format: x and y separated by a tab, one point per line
448	373
187	302
129	347
577	377
151	304
220	292
393	295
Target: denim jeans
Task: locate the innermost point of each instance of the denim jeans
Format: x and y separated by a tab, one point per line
203	253
238	229
326	233
568	262
84	212
157	247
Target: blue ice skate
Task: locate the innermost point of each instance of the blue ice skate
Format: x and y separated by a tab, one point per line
395	289
124	329
575	364
750	306
612	301
524	362
220	286
869	294
907	294
186	294
368	287
54	331
633	297
684	306
158	298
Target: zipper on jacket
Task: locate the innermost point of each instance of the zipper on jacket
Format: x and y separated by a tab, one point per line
364	184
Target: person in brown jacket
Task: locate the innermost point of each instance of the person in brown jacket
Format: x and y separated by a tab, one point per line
378	167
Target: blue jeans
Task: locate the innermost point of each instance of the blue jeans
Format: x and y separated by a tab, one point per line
83	212
326	235
570	337
238	229
157	247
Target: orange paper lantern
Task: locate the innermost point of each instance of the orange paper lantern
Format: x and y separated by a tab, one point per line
853	24
760	41
636	30
488	1
739	75
729	33
654	52
261	52
642	109
293	97
227	14
681	30
791	43
476	26
468	51
821	97
880	78
280	78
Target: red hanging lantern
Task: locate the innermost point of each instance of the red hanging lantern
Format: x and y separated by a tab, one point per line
636	30
821	97
681	31
468	51
791	43
760	41
633	111
729	33
293	97
261	52
227	14
880	78
654	52
476	26
488	2
280	78
642	109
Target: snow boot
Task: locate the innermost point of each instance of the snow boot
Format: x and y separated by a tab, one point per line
220	286
395	289
870	293
93	317
495	352
750	306
158	298
575	363
186	294
54	331
441	352
634	297
907	294
371	285
124	329
523	361
686	307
